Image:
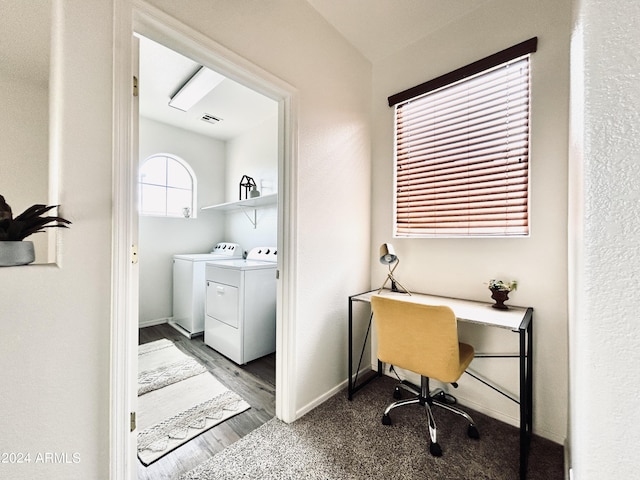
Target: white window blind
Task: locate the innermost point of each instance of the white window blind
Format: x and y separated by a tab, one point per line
462	156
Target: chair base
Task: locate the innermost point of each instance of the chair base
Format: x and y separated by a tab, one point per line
427	399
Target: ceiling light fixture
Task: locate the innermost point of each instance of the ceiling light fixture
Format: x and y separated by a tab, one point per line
199	85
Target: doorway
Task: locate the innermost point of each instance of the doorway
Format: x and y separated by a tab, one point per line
195	146
191	165
154	24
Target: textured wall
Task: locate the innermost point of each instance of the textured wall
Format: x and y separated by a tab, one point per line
605	198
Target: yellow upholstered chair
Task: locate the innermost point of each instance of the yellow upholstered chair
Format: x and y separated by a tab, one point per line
424	340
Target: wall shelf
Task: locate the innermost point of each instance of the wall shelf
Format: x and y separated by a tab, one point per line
249	203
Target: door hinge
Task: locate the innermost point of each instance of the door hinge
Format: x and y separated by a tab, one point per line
134	254
277	274
135	86
132	421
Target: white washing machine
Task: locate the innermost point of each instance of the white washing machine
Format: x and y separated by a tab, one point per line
189	286
240	320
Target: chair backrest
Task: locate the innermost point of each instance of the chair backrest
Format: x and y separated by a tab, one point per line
420	338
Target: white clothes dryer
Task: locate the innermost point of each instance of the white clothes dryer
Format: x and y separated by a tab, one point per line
240	321
189	286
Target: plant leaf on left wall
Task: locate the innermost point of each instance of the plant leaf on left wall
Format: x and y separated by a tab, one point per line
32	220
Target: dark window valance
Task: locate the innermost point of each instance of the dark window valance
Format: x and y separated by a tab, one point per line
528	46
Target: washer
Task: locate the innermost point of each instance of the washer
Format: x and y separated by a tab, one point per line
189	286
240	320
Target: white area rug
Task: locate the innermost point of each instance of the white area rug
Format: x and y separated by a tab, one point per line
177	400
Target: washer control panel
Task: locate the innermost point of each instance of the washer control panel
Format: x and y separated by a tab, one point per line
231	250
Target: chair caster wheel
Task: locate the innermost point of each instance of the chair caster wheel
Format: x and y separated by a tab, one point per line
396	393
386	419
435	449
472	431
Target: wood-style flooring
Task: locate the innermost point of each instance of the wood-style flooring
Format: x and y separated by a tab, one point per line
255	382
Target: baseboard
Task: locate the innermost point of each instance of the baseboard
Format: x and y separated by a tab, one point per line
326	396
153	322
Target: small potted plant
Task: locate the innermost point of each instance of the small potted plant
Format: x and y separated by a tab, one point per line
500	292
13	249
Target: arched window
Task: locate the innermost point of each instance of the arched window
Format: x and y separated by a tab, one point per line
167	187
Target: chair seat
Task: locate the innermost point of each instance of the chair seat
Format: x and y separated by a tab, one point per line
422	339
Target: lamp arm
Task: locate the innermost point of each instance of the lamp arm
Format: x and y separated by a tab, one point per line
393	279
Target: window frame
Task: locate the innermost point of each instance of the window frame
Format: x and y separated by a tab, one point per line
193	191
437	85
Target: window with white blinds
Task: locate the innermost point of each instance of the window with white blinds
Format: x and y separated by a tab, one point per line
462	151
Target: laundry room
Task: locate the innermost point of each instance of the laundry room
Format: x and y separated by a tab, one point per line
233	158
207	256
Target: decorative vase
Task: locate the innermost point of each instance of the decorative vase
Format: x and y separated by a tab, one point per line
16	253
500	296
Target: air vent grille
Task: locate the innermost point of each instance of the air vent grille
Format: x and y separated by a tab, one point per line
210	118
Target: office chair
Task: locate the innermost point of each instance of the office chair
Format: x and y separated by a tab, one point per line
424	340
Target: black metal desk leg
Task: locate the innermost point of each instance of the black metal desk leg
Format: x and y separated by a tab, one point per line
529	384
350	389
523	406
526	391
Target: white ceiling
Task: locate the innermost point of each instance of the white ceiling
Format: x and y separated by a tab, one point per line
378	28
163	72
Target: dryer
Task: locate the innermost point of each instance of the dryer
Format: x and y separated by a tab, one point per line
189	286
240	320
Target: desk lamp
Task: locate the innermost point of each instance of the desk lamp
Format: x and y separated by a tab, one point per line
387	257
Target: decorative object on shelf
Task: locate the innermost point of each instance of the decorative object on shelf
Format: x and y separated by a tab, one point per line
186	212
246	183
13	249
500	292
388	257
254	192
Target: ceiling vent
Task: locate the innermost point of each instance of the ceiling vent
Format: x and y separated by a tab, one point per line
210	118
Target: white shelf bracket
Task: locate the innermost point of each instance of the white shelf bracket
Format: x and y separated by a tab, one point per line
254	220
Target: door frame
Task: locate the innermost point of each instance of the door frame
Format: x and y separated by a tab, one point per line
139	17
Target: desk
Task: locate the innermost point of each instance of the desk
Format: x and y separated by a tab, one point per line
516	319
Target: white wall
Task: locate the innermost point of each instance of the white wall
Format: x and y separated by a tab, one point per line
24	148
462	267
254	153
605	260
161	238
55	321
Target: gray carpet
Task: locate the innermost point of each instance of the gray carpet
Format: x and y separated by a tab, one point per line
346	440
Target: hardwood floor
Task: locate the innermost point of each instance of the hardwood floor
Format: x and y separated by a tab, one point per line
255	382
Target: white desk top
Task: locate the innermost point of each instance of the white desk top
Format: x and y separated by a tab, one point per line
465	310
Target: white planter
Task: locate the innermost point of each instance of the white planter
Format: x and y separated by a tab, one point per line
16	253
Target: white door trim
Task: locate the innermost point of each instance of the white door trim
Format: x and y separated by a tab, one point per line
138	16
124	332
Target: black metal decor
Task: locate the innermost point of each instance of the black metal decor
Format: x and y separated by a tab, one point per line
246	182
